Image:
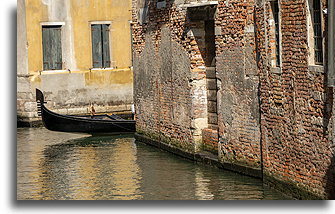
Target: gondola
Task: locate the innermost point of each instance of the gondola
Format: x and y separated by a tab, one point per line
91	124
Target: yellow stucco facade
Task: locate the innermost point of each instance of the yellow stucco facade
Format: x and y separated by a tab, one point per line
79	14
107	87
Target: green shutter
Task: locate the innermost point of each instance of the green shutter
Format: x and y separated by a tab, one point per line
105	46
56	51
46	48
96	46
52	48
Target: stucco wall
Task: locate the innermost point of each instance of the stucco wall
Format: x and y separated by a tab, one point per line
72	89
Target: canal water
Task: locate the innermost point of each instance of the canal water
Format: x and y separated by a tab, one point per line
64	166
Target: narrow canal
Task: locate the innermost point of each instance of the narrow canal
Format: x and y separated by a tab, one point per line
60	166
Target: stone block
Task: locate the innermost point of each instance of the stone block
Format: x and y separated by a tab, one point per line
212	95
30	106
211	84
212	106
249	29
218	31
210	73
212	118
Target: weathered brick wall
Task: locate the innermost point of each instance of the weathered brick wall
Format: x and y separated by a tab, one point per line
238	109
164	84
277	119
146	95
294	105
330	176
210	140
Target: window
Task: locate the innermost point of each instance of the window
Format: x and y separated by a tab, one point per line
161	4
317	32
100	46
52	47
315	40
143	11
275	14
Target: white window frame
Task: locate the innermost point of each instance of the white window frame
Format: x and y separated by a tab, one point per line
62	44
112	64
310	34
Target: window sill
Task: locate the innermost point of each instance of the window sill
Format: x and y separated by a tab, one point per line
55	71
316	68
275	70
101	69
52	23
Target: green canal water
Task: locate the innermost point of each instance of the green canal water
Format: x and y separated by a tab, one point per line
63	166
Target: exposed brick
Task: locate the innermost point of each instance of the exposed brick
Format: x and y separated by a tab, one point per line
281	116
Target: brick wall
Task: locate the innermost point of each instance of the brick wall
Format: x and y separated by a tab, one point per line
238	110
294	105
278	119
169	98
210	140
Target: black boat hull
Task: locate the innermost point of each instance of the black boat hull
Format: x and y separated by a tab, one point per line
77	124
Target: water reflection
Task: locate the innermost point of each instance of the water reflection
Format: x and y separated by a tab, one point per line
91	168
57	166
202	191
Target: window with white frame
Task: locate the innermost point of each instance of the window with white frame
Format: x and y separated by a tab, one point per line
100	46
52	47
275	33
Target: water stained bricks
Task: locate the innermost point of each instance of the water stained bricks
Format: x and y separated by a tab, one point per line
274	118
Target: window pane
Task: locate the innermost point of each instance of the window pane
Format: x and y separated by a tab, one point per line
275	11
317	32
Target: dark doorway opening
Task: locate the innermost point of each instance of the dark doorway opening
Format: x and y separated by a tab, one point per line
202	26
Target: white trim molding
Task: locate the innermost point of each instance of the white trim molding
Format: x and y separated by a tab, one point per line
100	22
102	69
52	23
55	71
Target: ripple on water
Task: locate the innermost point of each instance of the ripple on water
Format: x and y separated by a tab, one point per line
63	166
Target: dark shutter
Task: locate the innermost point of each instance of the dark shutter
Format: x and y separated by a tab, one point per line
105	46
52	47
56	51
96	46
46	48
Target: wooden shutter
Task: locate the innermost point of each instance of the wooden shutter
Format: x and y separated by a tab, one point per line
105	46
96	46
56	51
46	48
52	48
